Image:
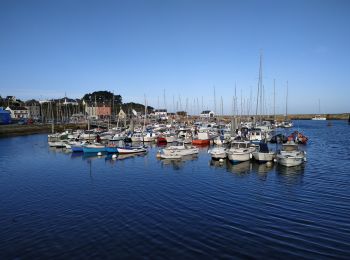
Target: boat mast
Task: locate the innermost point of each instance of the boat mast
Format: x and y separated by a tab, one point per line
287	102
259	92
274	100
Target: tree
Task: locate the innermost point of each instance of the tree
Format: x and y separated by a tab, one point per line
127	107
105	97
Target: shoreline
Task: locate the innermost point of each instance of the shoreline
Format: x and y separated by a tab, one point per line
17	130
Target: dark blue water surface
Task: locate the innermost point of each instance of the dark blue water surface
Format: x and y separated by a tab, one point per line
55	204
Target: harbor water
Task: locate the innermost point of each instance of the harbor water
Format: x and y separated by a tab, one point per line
56	204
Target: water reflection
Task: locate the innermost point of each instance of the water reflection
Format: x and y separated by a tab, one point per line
263	168
242	168
290	175
218	164
178	164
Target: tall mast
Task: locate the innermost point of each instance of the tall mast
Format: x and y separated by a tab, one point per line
259	92
274	100
214	102
287	102
319	107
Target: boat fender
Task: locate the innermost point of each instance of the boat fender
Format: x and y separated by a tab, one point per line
250	156
114	156
99	154
269	164
221	160
304	152
275	160
304	159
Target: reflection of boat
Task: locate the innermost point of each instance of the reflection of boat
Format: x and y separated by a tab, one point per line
177	163
290	155
290	175
125	156
243	167
262	168
218	164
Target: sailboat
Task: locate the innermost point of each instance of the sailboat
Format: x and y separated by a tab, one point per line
287	123
319	117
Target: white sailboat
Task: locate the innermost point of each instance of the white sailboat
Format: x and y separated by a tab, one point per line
319	116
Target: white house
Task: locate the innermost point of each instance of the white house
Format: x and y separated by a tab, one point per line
207	114
18	112
161	113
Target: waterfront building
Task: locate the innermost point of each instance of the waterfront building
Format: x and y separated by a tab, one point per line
96	112
161	114
207	114
103	111
18	112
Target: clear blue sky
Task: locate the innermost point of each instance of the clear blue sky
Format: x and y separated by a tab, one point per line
137	48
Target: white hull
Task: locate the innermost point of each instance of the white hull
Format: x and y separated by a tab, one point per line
131	150
88	136
289	161
136	139
217	153
170	139
179	150
149	139
263	157
57	144
238	156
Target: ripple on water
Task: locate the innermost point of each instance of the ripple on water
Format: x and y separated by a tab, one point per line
58	205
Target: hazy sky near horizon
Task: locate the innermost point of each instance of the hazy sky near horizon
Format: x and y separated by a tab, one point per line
181	47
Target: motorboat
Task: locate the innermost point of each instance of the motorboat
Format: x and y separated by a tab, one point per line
240	151
290	155
263	154
181	150
217	153
202	139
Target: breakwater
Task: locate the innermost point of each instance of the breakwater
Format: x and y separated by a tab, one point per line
15	129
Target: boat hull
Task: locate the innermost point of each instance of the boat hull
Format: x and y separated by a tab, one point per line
263	157
131	150
290	161
94	149
238	157
201	142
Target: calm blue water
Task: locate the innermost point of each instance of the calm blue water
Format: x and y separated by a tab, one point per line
57	205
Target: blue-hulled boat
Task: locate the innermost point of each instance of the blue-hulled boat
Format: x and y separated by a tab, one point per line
94	148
